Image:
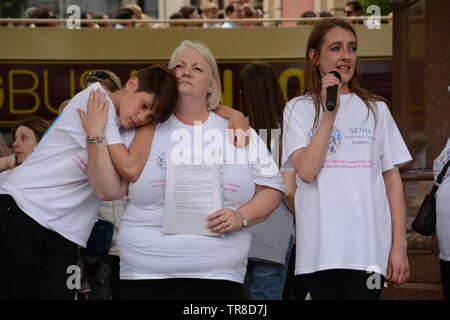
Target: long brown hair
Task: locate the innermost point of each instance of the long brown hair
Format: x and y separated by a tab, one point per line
36	124
261	97
312	73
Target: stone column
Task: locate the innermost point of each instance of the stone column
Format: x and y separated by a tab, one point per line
421	108
437	77
408	57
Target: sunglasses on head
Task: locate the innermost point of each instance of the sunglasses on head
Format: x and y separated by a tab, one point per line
102	75
99	74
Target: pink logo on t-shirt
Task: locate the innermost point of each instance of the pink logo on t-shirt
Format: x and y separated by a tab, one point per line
80	163
347	164
160	183
231	187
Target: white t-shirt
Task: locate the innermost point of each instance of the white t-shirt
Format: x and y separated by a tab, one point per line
443	204
343	217
147	253
52	185
3	175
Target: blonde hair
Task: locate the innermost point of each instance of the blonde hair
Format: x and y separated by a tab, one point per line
137	9
213	98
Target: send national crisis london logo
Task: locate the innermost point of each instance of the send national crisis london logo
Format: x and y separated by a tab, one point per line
335	140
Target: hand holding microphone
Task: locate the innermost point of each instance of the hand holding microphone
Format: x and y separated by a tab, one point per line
331	82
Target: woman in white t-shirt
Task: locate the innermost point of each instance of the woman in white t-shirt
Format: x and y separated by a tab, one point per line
350	213
443	218
182	266
158	265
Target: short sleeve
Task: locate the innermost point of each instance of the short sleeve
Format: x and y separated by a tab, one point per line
127	136
70	123
4	175
295	135
441	160
262	164
393	148
112	132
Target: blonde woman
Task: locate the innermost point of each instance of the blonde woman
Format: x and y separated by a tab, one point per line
156	265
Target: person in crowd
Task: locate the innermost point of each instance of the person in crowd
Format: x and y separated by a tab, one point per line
354	9
42	12
259	15
139	15
349	204
176	16
201	13
88	16
27	14
249	13
235	10
157	265
47	211
137	10
443	218
325	14
308	14
263	102
101	16
190	12
26	135
211	11
125	14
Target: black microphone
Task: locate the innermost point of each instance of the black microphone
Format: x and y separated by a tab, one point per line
332	93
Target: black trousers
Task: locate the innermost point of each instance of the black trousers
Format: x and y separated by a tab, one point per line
295	287
35	263
181	289
114	276
445	277
343	284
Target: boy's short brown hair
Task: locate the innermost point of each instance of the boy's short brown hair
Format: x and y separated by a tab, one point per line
163	84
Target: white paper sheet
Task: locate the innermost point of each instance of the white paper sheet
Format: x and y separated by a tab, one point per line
192	194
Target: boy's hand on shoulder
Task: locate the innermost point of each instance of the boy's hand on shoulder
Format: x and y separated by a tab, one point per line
96	115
